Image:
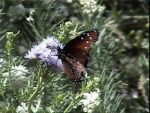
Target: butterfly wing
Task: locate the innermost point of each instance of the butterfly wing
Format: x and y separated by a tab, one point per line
74	71
76	54
79	47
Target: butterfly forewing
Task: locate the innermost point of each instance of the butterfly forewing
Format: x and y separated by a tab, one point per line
79	47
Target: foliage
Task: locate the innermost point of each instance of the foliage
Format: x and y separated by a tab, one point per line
117	74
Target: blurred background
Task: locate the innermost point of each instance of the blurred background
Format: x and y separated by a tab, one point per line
123	26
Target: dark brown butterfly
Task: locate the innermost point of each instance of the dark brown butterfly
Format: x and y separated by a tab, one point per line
75	55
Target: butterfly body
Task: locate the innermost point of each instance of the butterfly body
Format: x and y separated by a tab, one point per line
75	55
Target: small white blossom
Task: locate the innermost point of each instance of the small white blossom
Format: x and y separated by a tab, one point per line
90	101
134	94
89	7
2	62
30	18
47	51
18	76
69	1
22	108
17	71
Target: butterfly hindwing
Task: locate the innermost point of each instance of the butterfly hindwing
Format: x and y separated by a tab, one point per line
74	69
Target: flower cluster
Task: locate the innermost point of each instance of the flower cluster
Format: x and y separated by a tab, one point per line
18	76
90	7
90	101
2	62
47	52
69	1
22	108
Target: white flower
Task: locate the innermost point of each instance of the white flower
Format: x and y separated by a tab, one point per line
30	18
17	71
18	76
90	101
2	62
69	1
22	108
89	7
47	51
134	94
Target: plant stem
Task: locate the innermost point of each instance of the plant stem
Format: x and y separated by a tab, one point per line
73	102
9	71
69	107
35	93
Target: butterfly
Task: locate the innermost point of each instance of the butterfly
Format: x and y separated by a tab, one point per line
75	53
